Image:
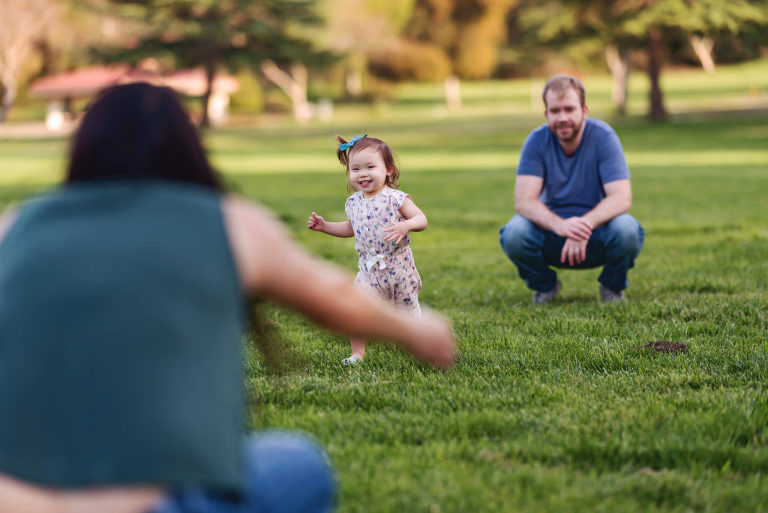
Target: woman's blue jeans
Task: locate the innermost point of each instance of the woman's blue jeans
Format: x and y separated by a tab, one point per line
284	472
614	245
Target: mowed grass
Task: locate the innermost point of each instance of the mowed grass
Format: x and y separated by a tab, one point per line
549	408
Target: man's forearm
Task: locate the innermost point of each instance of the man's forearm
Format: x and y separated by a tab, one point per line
537	212
607	209
577	228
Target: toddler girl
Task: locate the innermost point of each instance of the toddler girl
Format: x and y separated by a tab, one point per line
379	217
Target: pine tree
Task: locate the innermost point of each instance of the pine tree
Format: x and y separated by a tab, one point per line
216	34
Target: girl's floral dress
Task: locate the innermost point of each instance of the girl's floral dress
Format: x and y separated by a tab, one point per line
385	268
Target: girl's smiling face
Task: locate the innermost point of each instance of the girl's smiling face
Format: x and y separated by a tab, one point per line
367	172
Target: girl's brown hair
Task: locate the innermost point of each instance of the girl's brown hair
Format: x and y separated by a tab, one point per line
377	144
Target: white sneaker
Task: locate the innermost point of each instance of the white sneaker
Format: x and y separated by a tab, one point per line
351	361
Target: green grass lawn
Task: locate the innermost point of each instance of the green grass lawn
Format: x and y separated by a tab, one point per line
549	408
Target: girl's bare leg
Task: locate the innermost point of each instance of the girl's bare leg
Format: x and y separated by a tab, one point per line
358	347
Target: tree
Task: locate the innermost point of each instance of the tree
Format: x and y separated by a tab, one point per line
293	82
222	33
22	22
660	20
702	47
646	25
360	30
468	32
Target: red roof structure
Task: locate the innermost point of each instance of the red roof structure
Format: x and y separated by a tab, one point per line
59	90
84	82
88	81
192	82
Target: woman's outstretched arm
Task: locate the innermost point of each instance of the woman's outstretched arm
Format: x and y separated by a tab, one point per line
19	497
272	265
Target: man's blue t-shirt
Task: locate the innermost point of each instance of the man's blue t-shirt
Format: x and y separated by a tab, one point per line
573	184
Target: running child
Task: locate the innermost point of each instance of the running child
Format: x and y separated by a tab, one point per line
379	217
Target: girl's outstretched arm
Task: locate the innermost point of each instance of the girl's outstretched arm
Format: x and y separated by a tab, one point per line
339	229
272	265
415	221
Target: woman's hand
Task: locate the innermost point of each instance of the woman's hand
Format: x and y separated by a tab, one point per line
435	342
271	265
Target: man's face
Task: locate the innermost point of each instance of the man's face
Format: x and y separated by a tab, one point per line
565	115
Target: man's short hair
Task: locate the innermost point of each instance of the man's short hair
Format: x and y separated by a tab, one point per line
560	85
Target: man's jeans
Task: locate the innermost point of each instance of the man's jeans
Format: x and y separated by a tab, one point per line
613	245
284	472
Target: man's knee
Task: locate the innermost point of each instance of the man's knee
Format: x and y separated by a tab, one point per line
288	472
516	237
625	234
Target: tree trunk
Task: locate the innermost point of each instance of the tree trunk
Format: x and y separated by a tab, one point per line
452	87
353	76
657	111
353	82
9	95
210	75
46	52
618	64
293	84
702	47
21	22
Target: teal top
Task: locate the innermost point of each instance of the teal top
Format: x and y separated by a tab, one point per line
121	316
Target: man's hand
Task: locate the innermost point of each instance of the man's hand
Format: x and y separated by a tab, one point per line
576	228
574	251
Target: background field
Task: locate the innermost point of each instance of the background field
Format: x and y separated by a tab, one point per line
551	408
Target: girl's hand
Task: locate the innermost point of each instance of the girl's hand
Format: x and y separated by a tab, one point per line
316	222
397	231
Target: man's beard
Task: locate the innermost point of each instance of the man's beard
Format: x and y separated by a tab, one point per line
575	129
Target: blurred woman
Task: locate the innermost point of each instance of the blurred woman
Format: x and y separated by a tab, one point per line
122	304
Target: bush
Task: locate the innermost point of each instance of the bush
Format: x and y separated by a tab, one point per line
476	52
410	61
276	101
249	98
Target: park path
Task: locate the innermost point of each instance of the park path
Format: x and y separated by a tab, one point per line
32	130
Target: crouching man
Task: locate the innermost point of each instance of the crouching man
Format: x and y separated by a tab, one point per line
572	195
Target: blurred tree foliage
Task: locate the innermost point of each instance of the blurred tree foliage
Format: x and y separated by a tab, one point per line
447	40
361	31
220	33
249	96
481	32
367	44
23	24
403	59
455	37
651	26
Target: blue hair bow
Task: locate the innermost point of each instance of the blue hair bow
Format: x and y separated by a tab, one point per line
347	145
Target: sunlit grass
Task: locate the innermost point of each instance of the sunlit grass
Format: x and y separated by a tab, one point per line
548	409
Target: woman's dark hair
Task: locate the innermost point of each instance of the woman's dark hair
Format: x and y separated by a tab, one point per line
139	131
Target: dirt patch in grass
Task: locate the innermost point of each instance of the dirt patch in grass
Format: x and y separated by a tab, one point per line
665	346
